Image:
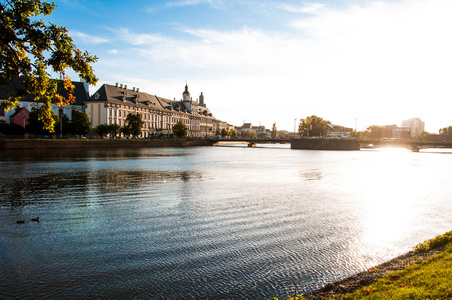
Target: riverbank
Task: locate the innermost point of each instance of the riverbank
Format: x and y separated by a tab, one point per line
13	144
416	273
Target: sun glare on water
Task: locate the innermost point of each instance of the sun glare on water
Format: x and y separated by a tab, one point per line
389	202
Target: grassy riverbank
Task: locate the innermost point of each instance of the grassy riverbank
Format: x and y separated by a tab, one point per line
425	273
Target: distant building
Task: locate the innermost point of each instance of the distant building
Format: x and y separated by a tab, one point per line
389	132
250	130
20	117
112	103
338	131
415	125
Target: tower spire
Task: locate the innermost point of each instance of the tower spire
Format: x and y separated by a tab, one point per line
186	93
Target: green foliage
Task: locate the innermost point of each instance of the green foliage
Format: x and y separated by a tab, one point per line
436	242
11	129
232	133
180	130
31	49
113	129
376	132
224	132
357	134
274	131
133	124
125	131
101	129
249	134
429	279
313	126
66	125
446	131
80	123
262	135
36	123
423	134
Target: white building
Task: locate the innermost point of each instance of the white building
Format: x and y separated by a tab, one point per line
415	125
112	103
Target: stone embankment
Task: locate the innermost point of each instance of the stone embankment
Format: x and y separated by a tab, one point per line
61	144
324	144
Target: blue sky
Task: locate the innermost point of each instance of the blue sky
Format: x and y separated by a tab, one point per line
354	63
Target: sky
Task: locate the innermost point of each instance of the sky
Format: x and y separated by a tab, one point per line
353	63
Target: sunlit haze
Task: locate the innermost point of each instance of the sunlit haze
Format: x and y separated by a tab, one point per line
354	63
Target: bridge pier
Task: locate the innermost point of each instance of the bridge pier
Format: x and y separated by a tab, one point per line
415	148
252	144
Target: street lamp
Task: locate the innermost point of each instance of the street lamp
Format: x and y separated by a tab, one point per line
294	127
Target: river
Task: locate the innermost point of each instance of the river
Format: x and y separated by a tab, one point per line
210	222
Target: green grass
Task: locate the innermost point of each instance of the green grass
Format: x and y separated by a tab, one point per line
430	279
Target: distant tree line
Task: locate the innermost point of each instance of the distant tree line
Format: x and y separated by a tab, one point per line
446	131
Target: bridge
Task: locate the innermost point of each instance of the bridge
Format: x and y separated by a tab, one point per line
413	144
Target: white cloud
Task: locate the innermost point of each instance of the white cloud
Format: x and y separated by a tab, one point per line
87	38
217	4
309	8
380	62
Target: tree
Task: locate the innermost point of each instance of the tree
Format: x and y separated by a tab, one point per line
11	129
262	135
134	124
376	132
66	125
313	126
446	131
80	123
32	49
125	131
113	129
232	133
249	134
36	125
224	132
274	131
180	130
102	129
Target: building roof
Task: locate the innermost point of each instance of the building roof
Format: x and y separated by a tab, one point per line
120	94
20	110
81	92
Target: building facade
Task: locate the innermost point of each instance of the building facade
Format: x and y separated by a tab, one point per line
416	125
112	103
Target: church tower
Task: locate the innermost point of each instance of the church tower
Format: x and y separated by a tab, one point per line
201	99
186	94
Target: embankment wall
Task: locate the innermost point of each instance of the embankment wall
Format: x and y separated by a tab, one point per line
61	144
324	144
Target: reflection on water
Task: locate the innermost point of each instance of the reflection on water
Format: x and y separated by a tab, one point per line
210	222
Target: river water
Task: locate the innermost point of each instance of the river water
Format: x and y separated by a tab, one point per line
210	222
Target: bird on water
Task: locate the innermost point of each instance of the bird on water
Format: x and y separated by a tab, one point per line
20	222
35	219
